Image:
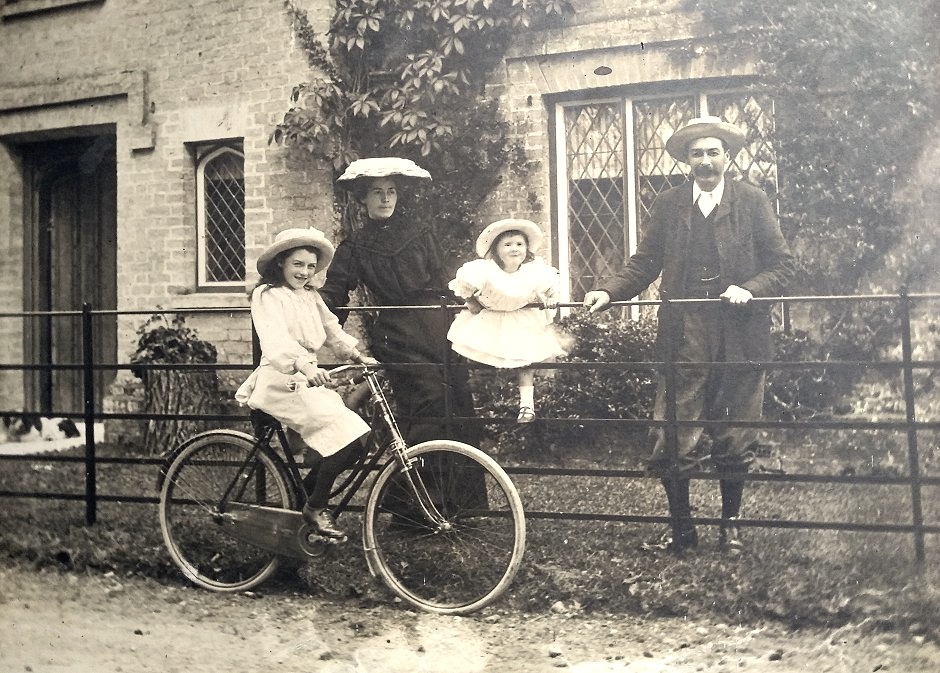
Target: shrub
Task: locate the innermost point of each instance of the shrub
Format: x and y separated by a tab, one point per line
169	391
857	333
163	342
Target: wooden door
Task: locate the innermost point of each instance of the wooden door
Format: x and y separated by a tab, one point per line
71	259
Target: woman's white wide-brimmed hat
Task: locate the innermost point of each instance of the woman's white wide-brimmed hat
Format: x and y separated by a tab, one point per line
532	231
380	167
311	237
704	127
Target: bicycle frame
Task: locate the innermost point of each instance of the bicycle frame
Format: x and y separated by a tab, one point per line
230	508
382	419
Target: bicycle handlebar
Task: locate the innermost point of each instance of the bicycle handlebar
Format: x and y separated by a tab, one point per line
359	378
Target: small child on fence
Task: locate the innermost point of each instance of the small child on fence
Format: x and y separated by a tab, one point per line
293	323
497	328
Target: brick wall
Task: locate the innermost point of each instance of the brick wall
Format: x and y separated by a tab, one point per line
164	75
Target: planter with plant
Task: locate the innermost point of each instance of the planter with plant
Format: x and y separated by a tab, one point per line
174	391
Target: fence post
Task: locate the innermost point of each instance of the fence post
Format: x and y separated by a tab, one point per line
448	375
669	317
88	385
913	454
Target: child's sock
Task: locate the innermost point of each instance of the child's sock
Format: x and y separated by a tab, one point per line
527	396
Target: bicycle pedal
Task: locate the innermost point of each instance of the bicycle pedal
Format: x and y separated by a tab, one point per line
313	544
323	539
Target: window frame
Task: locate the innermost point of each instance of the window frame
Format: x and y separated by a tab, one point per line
204	155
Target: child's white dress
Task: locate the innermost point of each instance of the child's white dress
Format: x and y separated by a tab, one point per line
504	334
292	327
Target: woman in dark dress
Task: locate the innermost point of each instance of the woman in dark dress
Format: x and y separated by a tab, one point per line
400	263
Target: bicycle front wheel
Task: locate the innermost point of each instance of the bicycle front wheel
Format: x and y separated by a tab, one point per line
462	552
192	511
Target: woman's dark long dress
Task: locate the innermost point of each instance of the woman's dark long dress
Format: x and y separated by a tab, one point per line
401	263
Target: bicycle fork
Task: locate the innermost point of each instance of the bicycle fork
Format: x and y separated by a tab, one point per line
412	474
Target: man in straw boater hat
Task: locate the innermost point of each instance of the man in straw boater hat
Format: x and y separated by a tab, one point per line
708	238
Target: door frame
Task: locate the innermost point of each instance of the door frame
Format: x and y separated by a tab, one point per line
92	161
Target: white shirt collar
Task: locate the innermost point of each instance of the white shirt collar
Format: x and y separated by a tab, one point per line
708	200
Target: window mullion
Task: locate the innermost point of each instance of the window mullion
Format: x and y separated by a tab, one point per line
629	186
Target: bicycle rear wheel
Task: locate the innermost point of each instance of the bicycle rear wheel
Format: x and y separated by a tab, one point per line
192	513
466	559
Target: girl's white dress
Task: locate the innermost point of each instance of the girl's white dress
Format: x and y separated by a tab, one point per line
292	326
504	334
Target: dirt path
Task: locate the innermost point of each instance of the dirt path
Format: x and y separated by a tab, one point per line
67	622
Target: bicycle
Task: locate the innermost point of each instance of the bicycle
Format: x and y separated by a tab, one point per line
443	525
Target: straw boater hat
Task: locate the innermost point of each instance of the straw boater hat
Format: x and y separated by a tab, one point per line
288	239
380	167
532	231
704	127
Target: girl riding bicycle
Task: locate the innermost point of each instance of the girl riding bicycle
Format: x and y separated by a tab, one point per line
292	324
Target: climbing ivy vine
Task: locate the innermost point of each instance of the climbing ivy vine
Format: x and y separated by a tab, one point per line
406	78
855	85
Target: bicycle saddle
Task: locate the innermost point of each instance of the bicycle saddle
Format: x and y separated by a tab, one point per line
260	421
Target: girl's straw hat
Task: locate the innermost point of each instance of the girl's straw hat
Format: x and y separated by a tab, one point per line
311	237
532	231
704	127
380	167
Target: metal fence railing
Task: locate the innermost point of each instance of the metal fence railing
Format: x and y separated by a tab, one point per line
913	478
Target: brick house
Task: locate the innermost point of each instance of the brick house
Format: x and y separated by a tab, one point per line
136	171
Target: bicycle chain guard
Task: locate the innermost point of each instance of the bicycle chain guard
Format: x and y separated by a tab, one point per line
282	531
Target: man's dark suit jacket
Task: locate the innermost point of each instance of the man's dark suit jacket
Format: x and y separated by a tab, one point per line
752	254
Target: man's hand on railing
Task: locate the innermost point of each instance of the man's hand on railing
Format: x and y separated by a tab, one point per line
736	295
596	300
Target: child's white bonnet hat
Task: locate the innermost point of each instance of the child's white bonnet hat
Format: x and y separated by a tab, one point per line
530	229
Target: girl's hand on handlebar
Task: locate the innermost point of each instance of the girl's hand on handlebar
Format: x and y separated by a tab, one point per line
365	360
316	376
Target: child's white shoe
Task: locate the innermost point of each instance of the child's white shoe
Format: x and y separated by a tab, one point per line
526	415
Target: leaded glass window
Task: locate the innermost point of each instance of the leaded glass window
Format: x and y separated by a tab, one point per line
614	166
220	183
595	140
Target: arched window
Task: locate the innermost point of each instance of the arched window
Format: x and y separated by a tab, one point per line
220	216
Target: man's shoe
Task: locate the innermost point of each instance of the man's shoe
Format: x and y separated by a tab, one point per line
676	543
323	521
729	537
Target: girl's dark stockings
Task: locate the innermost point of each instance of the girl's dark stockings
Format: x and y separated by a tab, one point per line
319	481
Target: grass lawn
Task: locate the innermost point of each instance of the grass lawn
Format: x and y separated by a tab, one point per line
800	577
